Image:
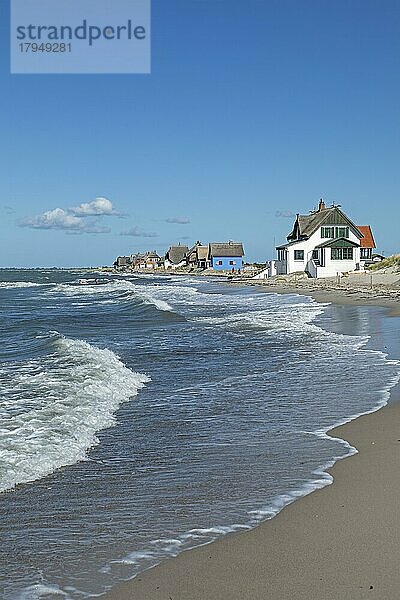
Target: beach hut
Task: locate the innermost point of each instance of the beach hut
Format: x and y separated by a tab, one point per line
226	256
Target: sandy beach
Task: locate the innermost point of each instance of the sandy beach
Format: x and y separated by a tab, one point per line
340	542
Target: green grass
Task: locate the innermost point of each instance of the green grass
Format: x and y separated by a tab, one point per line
390	261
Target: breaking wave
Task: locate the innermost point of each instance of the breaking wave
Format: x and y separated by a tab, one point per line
57	405
116	291
11	285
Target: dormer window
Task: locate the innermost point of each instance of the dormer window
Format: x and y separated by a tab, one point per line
341	232
327	232
335	232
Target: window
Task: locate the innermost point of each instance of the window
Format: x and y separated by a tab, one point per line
219	262
341	232
334	232
341	253
232	262
366	253
327	232
299	255
281	254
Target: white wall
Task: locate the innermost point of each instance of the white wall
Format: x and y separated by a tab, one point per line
335	267
170	265
269	271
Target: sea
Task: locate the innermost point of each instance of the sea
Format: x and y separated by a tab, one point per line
152	414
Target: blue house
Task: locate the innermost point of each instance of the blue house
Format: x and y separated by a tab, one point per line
226	257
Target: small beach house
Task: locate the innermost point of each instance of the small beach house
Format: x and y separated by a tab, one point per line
197	257
176	257
148	260
324	243
226	256
152	260
122	262
136	260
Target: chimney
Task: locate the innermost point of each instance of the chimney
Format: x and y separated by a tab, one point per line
321	206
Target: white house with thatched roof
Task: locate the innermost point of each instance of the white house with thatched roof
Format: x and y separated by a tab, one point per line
176	257
323	243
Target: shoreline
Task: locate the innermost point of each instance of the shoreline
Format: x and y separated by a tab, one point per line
279	557
330	544
336	295
385	292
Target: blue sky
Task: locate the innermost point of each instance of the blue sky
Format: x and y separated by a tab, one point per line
253	111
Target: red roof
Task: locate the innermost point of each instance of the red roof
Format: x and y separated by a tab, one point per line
368	240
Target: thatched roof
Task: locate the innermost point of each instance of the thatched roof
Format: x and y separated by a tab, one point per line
306	225
176	254
230	249
202	252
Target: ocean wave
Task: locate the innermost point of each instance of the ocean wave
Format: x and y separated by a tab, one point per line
119	290
10	285
157	302
71	395
295	319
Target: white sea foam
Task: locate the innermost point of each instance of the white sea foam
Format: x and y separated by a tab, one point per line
157	302
54	407
120	291
11	285
38	591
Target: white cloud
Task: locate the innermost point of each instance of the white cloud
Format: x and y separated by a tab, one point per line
62	220
57	218
94	228
138	232
179	220
75	220
100	206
